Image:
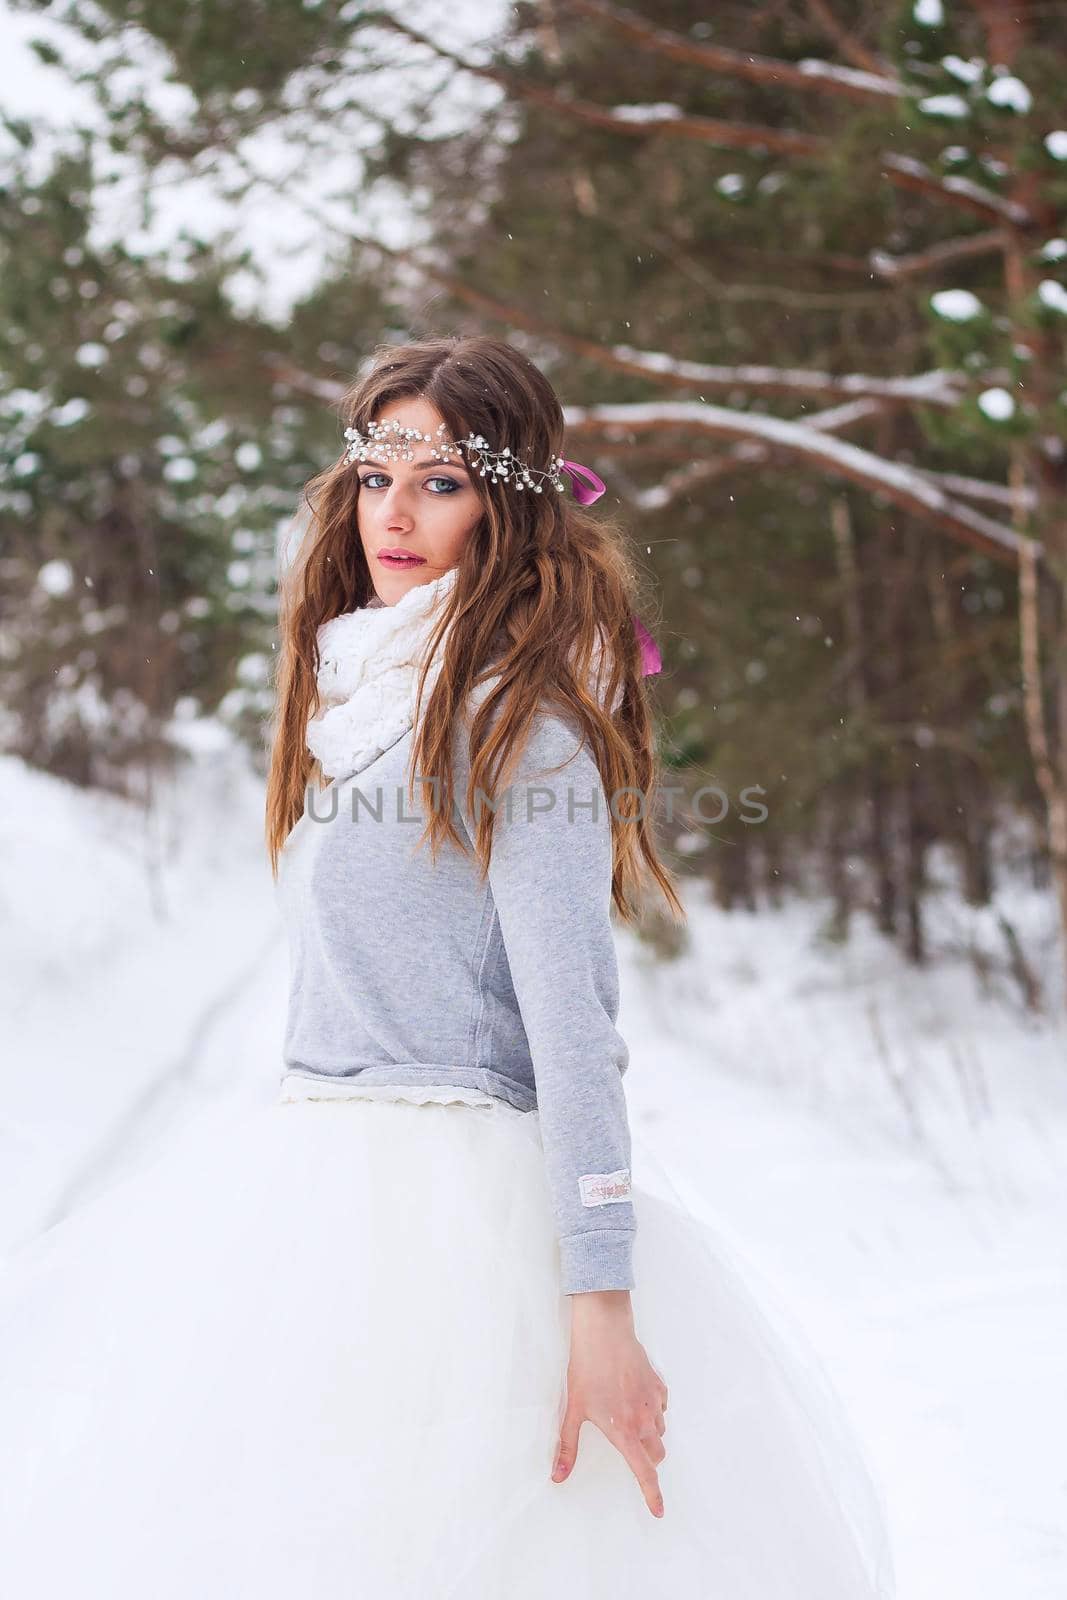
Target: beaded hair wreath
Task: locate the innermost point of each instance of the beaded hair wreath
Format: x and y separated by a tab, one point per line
392	442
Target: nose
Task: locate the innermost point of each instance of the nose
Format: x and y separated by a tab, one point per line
395	507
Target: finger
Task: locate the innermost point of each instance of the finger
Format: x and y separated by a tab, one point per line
567	1450
655	1407
633	1452
654	1447
654	1411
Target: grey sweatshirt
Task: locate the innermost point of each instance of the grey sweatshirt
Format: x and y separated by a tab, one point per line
402	972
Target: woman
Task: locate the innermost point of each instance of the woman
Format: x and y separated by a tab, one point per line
346	1345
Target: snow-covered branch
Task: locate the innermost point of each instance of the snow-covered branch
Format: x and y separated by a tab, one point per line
937	387
999	494
756	434
810	438
907	173
642	119
901	484
820	76
851	48
945	253
634	120
699	472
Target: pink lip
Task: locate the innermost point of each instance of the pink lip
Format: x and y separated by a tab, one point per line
407	556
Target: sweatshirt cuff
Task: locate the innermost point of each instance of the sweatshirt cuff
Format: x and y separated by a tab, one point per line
602	1258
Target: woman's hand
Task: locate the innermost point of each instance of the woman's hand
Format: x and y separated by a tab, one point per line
610	1381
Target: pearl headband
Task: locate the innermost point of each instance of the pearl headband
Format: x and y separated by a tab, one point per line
392	442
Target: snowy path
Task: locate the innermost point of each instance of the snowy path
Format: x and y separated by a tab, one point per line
115	976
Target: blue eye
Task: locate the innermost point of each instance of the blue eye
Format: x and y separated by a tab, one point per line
365	482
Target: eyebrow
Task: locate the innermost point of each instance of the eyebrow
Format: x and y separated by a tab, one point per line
448	465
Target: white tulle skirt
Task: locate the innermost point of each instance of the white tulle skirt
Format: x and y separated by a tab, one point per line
318	1349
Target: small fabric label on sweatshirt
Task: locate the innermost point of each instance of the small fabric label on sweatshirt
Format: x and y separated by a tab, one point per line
604	1188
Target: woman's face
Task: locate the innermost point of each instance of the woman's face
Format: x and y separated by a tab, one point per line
421	508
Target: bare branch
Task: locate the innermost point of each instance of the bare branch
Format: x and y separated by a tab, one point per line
849	47
1005	29
726	290
282	371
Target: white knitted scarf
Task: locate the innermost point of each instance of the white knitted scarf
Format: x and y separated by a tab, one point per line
369	665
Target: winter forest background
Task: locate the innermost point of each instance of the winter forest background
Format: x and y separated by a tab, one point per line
799	272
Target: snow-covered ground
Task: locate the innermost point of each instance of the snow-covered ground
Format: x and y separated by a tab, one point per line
885	1149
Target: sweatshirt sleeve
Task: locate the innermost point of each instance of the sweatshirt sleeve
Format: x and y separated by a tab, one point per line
550	875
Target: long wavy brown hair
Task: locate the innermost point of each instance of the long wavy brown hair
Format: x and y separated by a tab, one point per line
540	585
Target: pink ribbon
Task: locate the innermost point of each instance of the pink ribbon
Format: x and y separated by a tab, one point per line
585	494
651	660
